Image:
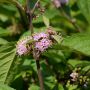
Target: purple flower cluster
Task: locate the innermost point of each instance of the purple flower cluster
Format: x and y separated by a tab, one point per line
22	46
42	41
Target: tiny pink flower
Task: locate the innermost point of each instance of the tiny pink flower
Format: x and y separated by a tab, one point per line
74	76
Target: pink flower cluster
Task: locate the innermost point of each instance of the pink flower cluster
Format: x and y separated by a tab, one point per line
22	46
42	41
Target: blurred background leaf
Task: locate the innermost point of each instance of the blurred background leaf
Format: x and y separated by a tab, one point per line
84	7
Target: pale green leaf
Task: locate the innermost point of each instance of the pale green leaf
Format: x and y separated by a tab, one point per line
5	87
72	87
78	42
3	41
87	68
7	56
46	21
58	38
75	62
34	87
60	87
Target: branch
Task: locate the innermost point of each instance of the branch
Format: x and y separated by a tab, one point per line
20	9
35	6
40	75
35	53
29	15
17	4
71	20
22	13
36	56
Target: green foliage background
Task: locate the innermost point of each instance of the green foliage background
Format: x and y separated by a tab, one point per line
72	21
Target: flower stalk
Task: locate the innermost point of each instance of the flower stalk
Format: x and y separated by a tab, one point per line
35	54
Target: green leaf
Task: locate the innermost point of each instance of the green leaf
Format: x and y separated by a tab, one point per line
87	68
3	41
58	38
7	55
72	87
4	32
84	6
54	55
50	82
5	87
78	42
75	62
46	21
8	1
60	87
34	87
1	1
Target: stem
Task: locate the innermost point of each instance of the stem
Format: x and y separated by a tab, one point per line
18	4
23	18
71	20
36	56
35	53
40	75
29	15
35	6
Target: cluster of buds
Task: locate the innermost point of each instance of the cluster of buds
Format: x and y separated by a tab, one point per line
40	10
83	80
39	41
58	3
77	77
